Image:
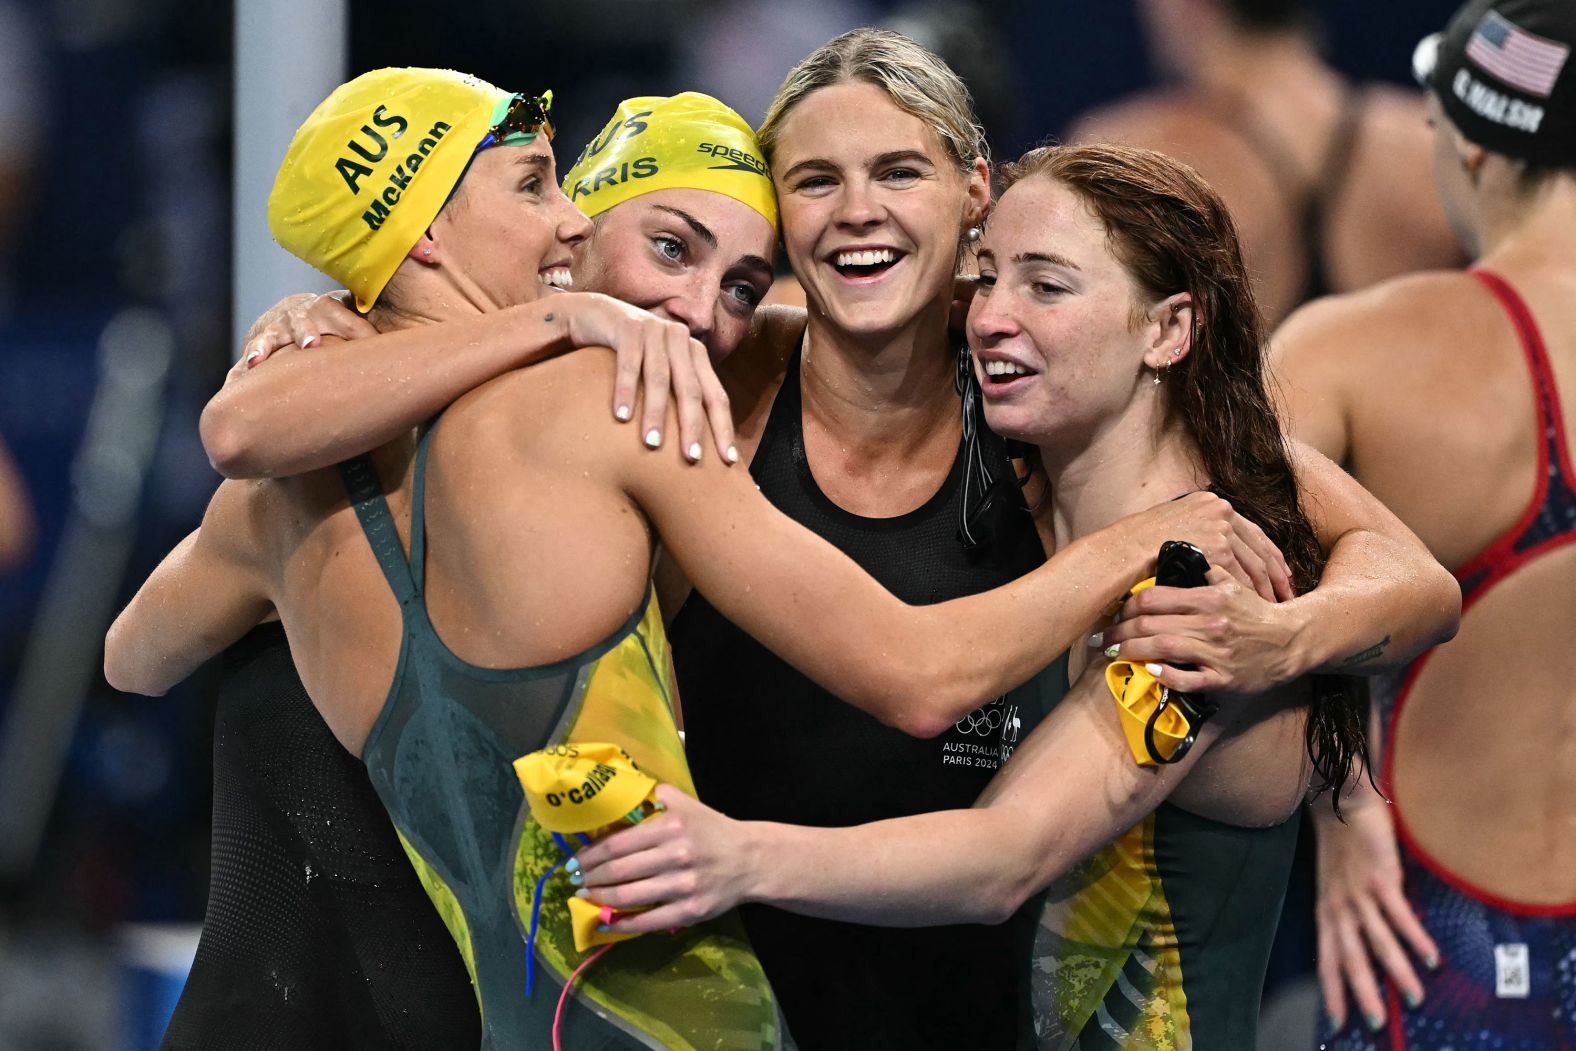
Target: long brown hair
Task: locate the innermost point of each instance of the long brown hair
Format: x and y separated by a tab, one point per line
1173	234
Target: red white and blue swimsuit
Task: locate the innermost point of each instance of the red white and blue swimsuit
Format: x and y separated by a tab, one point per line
1461	1010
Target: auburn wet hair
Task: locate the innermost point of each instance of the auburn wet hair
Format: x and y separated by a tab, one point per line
1172	233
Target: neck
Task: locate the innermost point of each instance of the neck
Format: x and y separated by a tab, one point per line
1262	65
1132	463
888	393
1535	222
423	307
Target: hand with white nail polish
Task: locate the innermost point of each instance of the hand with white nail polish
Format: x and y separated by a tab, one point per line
689	861
1237	642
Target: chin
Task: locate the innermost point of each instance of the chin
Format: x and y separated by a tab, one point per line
1016	422
869	319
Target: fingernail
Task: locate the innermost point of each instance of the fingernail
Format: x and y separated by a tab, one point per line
623	413
653	437
1097	640
603	928
1154	669
694	451
1335	1023
583	892
1431	962
1375	1022
1113	649
308	341
1412	999
576	878
572	865
733	454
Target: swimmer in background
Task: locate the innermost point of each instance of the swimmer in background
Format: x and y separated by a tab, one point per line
1448	920
1326	179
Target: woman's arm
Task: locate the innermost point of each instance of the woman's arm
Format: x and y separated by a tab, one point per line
202	598
296	411
1070	788
918	668
1382	600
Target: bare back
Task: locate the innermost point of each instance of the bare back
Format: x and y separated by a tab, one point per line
1444	427
534	555
1375	220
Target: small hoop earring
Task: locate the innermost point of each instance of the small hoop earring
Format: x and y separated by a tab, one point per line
1157	377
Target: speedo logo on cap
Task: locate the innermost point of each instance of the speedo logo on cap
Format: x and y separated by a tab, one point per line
740	160
374	151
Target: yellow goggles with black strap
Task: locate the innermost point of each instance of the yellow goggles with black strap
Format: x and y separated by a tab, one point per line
1159	724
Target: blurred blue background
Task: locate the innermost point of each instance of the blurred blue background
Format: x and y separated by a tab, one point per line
115	175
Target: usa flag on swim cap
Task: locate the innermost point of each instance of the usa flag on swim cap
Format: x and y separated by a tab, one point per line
1521	59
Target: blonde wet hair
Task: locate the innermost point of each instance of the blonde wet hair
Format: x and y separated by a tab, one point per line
914	78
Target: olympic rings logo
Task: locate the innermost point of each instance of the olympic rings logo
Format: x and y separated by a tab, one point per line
983	721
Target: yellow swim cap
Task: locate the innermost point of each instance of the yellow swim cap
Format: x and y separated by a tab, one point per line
689	141
581	787
370	169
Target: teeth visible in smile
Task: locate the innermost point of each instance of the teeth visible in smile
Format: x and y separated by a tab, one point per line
557	276
1004	368
867	258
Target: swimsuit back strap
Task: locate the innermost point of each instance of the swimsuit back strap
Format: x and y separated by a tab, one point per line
372	508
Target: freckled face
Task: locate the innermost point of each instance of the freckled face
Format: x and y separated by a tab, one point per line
696	257
1051	328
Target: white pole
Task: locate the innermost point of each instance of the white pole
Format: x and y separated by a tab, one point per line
289	54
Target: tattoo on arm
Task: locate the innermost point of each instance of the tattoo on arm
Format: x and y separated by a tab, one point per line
1367	655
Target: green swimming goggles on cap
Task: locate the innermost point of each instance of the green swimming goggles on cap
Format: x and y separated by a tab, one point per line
518	120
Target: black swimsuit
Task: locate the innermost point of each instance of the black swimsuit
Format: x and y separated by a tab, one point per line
766	743
317	933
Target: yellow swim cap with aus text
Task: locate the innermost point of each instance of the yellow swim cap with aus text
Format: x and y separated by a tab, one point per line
654	142
372	167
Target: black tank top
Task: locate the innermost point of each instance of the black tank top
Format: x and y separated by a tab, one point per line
317	933
764	742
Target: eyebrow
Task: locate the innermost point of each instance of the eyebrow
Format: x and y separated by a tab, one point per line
880	159
532	160
700	228
756	263
894	156
1046	257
